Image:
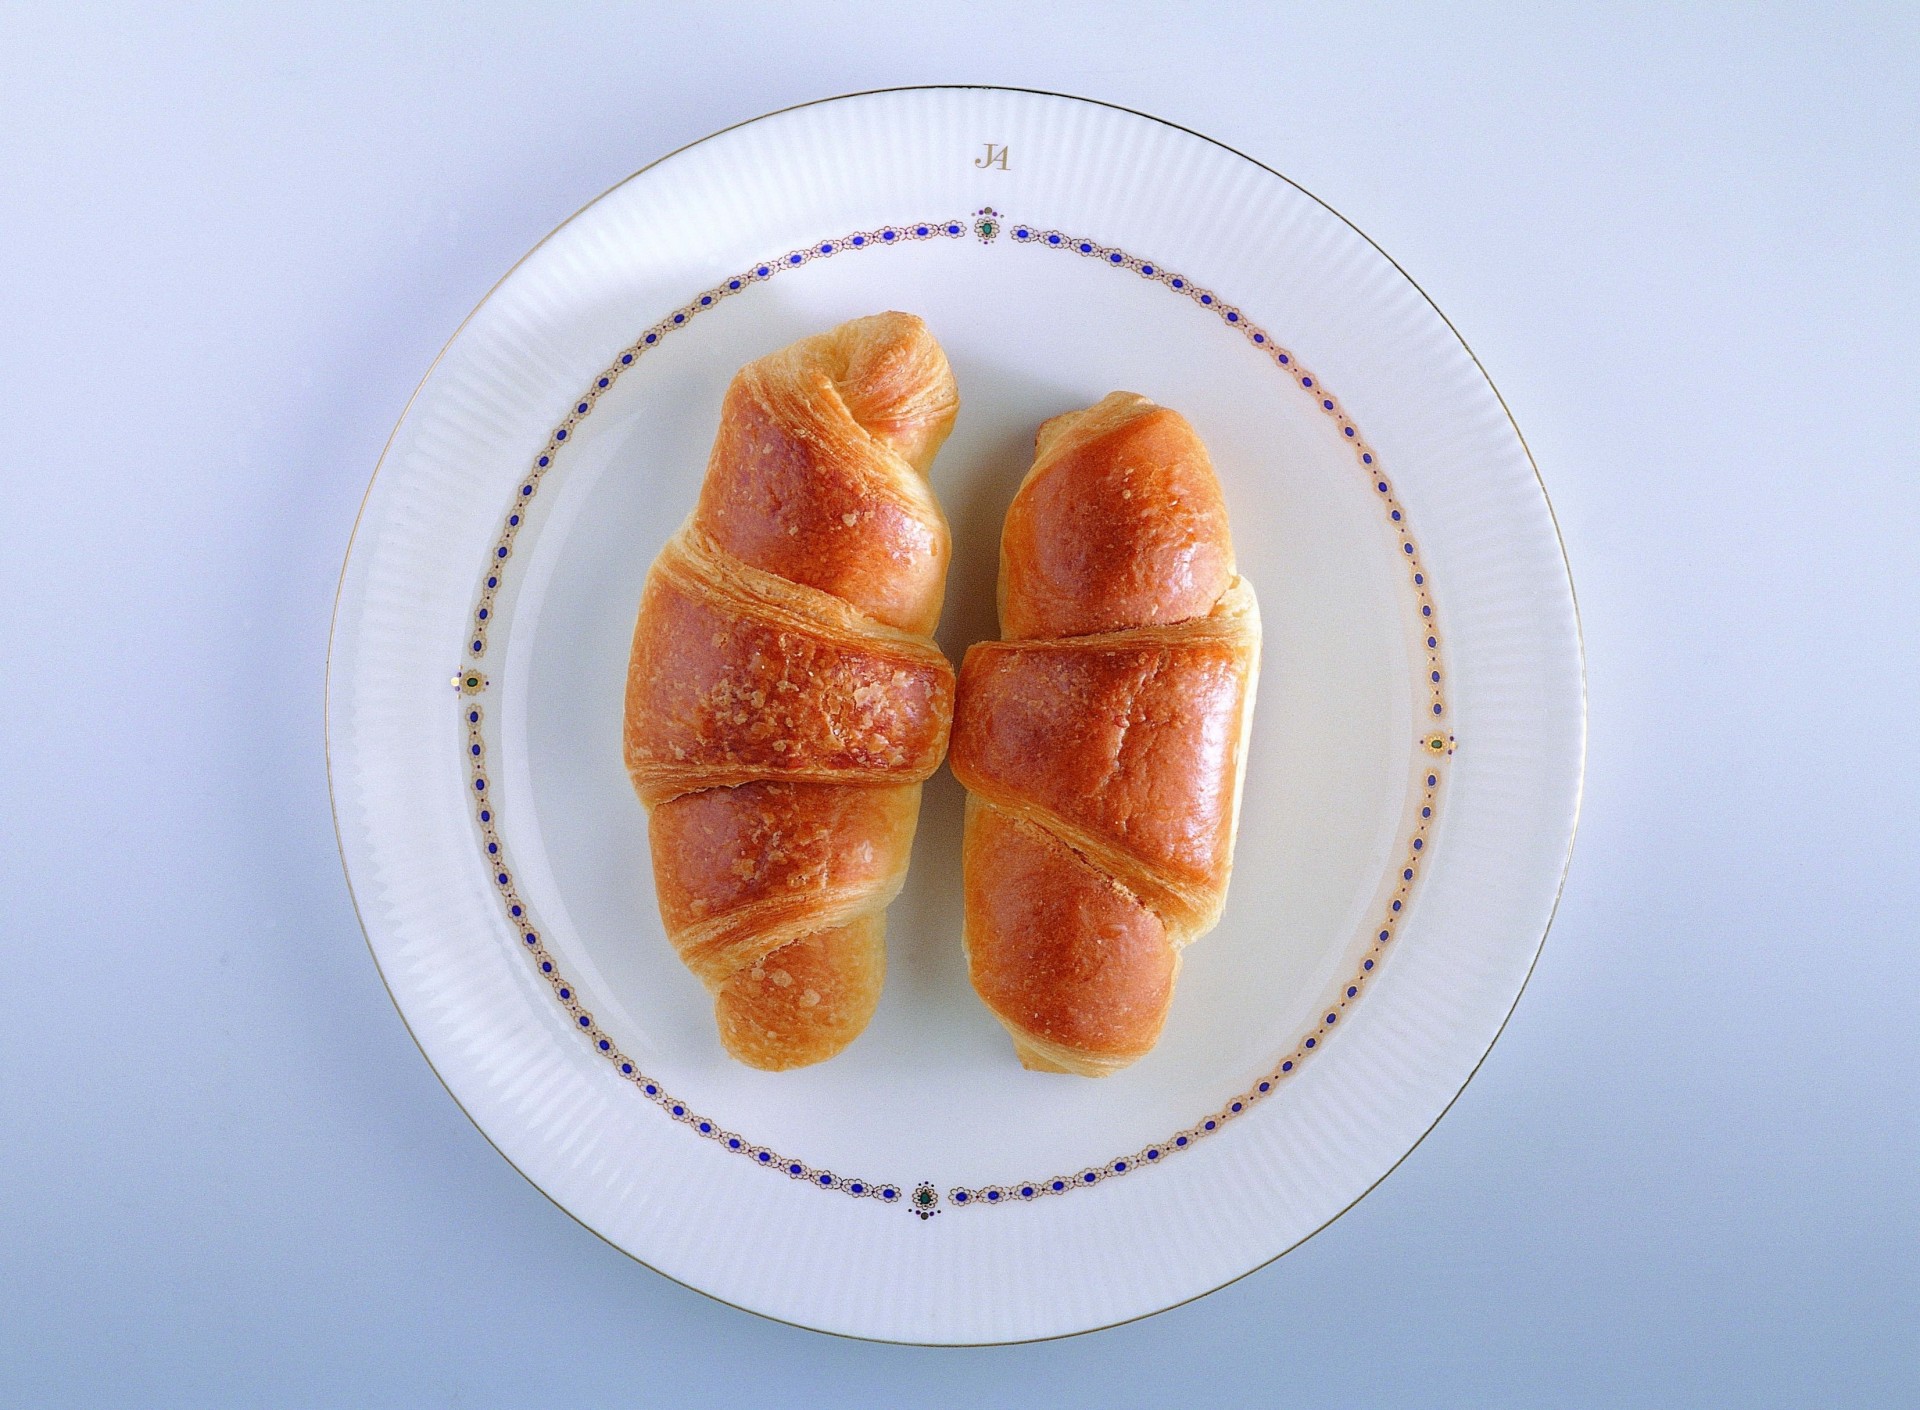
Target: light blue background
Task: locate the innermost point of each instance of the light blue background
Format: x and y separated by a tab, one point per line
1685	247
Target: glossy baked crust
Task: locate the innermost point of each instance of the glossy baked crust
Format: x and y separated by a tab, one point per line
1103	740
784	696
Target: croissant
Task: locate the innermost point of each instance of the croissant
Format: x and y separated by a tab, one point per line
1103	741
784	696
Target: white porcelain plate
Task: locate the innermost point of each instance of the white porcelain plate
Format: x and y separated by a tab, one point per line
1410	800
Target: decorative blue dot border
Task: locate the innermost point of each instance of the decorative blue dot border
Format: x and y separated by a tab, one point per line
1437	745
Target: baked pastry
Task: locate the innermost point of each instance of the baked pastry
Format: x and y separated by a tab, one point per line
1103	740
784	697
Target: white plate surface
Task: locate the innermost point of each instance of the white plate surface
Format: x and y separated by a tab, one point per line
893	1199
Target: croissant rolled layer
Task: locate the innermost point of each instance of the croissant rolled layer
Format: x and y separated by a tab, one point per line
741	871
727	685
784	696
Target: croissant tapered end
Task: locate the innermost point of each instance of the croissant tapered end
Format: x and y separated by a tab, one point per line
818	474
893	376
806	1001
1077	970
1120	523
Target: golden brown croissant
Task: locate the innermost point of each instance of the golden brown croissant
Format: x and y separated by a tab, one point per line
1103	740
784	697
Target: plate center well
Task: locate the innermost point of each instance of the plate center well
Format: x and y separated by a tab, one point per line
932	1089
